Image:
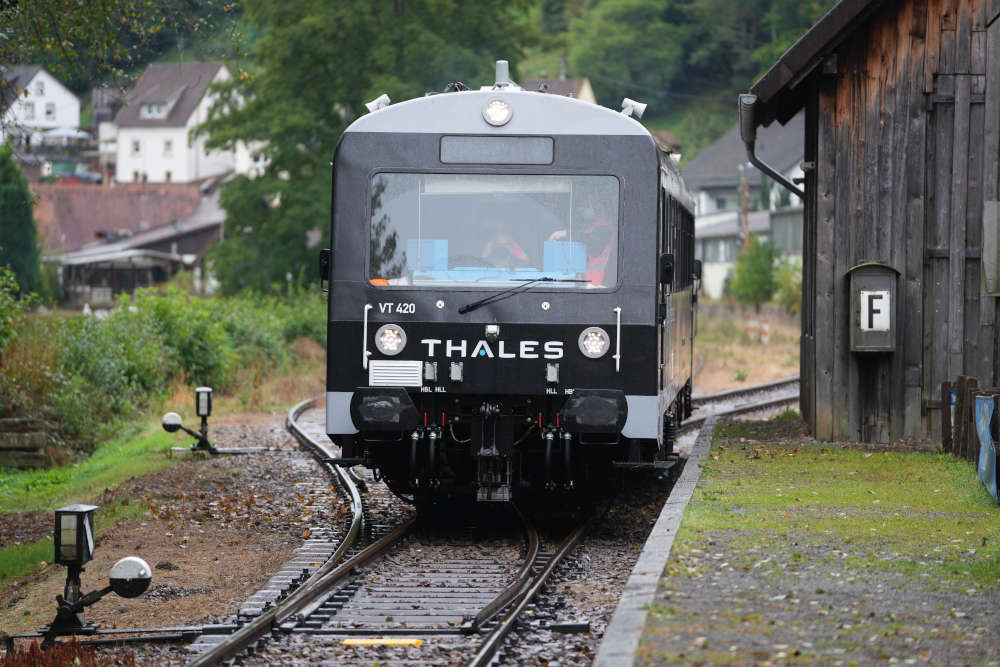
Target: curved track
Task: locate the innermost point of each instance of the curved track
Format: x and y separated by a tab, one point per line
325	576
403	594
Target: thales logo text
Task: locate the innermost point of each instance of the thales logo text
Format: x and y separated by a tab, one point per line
526	349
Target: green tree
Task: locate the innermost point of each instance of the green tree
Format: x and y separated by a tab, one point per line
631	48
18	236
11	307
754	279
84	42
314	65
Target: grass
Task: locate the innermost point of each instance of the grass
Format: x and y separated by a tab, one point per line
918	514
23	559
140	450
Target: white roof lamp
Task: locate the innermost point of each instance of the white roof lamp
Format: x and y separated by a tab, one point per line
632	108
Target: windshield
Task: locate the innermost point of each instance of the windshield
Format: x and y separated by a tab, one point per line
489	229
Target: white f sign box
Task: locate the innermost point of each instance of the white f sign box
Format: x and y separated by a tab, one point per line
873	307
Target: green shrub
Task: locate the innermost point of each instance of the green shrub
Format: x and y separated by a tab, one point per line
789	294
84	374
11	306
754	281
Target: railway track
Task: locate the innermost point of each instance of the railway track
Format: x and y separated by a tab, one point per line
743	401
404	586
317	584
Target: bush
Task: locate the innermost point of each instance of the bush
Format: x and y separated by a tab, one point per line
11	307
754	281
84	374
789	295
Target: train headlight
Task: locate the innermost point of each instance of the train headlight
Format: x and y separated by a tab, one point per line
390	339
497	112
594	342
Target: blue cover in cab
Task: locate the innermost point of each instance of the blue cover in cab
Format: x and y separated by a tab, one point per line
427	254
564	258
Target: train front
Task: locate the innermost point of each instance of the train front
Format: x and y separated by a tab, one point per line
493	293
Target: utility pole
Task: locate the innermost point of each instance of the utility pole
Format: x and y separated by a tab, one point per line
745	205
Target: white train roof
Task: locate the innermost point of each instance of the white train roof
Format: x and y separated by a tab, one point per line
533	113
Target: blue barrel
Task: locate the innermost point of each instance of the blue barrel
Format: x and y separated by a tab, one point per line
985	407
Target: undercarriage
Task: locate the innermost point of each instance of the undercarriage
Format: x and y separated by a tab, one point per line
495	448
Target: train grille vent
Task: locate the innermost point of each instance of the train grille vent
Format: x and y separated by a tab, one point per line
392	373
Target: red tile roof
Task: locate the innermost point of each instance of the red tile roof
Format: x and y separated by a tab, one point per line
70	215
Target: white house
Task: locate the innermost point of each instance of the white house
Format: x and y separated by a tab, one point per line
33	101
154	142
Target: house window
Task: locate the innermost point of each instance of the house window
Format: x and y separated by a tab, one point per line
40	87
50	111
168	147
136	147
29	110
135	177
166	176
721	203
153	110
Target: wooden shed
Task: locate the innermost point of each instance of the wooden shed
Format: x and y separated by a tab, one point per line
902	148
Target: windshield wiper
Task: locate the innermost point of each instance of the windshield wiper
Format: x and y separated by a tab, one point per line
511	291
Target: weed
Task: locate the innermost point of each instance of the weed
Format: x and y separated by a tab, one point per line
740	375
787	415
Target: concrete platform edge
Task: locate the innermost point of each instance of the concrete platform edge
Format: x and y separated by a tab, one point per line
621	638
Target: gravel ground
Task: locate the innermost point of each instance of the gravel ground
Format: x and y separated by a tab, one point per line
587	585
200	516
212	529
791	599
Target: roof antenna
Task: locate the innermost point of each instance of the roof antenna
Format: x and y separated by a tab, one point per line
503	79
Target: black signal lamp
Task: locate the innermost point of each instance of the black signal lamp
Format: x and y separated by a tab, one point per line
203	401
74	534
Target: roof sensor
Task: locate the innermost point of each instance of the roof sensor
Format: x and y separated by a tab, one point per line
380	102
631	107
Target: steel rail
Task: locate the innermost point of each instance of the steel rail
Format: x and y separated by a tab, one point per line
508	594
729	394
786	399
491	644
327	575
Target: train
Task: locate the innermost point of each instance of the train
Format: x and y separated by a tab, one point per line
512	294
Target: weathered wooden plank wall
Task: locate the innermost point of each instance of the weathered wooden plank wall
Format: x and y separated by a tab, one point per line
907	141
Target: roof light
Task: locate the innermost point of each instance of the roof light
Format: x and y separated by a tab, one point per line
497	112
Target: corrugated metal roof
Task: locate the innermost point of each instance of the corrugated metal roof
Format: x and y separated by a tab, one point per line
732	225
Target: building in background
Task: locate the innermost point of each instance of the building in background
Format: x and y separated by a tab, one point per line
719	241
714	175
576	88
33	103
154	129
106	241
